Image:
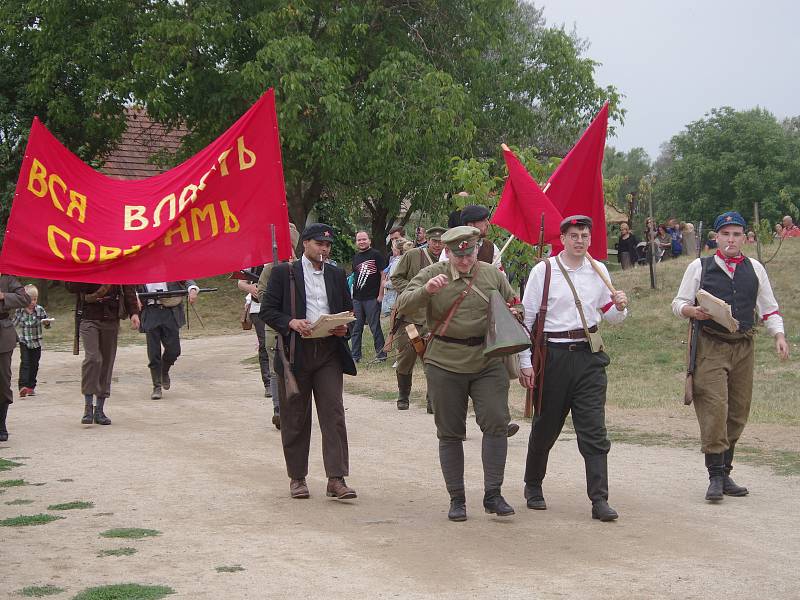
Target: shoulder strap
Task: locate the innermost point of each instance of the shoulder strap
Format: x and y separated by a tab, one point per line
441	328
292	334
574	295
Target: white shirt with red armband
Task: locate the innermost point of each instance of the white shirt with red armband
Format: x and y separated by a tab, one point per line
766	304
562	313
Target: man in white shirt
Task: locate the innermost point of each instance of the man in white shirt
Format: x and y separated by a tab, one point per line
723	373
575	377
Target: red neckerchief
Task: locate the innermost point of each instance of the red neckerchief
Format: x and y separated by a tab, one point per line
730	262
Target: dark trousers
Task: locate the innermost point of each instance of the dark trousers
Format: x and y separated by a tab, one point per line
263	351
100	351
6	395
322	376
28	366
162	331
367	311
573	381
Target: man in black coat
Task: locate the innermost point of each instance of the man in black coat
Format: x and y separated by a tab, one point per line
317	363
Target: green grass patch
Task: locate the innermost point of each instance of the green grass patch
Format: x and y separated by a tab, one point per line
7	465
19	502
39	591
27	520
130	533
7	483
229	569
125	591
78	504
127	551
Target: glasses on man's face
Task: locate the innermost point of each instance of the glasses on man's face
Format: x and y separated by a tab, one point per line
579	237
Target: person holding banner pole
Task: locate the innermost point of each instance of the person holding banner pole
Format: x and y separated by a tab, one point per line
100	308
12	296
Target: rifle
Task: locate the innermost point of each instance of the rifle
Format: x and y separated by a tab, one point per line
693	335
159	295
533	397
245	275
76	340
287	384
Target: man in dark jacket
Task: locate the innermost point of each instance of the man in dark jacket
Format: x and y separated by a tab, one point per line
12	296
296	296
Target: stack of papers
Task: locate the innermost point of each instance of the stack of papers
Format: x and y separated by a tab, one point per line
719	310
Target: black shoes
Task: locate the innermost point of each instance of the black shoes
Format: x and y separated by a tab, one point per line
602	511
165	381
458	509
513	428
99	416
276	420
534	497
715	463
729	487
495	504
403	390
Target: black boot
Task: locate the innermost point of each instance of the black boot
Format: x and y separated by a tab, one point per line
165	382
88	409
155	375
494	450
534	496
729	487
512	430
715	463
429	406
597	487
3	415
403	390
99	416
451	458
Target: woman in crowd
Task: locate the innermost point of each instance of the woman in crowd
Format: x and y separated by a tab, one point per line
663	243
626	246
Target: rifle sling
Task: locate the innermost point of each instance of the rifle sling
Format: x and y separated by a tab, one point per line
694	323
441	328
538	340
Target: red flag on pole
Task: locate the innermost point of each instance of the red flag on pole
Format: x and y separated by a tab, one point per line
576	186
522	204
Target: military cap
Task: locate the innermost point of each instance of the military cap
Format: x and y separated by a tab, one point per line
576	221
318	231
435	233
462	240
473	212
729	218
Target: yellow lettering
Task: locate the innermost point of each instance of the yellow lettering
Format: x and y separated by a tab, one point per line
200	214
76	242
109	253
76	202
180	228
52	231
244	155
60	182
134	218
37	176
231	222
189	194
160	206
202	185
132	250
223	165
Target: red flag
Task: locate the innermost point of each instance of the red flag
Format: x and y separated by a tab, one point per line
576	186
522	204
207	216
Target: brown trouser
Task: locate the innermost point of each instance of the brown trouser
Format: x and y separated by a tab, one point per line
100	350
723	387
322	376
406	354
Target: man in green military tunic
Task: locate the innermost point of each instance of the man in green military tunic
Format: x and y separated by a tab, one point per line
412	263
456	368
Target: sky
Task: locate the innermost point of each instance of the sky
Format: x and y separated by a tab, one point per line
675	60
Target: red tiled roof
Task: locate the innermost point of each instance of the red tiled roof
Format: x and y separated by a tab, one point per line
143	138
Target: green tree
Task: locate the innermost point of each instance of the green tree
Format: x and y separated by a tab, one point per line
625	170
727	161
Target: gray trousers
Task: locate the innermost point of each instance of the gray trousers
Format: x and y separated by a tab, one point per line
266	345
367	311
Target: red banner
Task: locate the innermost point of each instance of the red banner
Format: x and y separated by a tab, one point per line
207	216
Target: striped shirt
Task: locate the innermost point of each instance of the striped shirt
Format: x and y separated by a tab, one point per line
29	326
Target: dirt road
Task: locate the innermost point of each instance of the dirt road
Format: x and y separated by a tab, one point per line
204	467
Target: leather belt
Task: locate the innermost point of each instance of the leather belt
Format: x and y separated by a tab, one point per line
471	341
573	347
573	334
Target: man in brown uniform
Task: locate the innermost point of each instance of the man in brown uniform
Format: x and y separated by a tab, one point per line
410	264
101	307
456	368
12	296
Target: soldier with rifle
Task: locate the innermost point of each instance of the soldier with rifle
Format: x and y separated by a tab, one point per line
412	262
720	372
99	308
12	296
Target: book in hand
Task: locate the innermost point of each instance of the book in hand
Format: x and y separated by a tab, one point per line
322	326
719	310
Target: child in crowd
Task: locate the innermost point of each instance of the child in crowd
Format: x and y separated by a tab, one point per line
29	321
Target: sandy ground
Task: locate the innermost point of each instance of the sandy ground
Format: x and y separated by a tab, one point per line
204	466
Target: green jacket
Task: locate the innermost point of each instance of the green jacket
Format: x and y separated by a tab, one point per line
470	320
410	264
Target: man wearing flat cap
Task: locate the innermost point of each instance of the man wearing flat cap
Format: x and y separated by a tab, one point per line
575	372
297	295
410	264
455	297
723	374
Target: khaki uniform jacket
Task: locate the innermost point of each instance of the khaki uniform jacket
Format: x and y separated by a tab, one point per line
470	320
410	264
14	297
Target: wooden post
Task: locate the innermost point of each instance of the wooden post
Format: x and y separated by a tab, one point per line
755	226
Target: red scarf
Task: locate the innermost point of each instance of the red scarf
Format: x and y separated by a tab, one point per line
730	262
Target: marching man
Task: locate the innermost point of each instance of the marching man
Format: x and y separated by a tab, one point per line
723	374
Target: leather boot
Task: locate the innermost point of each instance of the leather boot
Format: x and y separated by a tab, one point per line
99	416
494	450
729	487
155	375
165	382
429	406
534	496
715	463
512	430
3	415
338	488
88	409
597	487
403	390
451	459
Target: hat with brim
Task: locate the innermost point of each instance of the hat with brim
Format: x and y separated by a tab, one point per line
576	221
729	218
435	233
462	240
319	232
